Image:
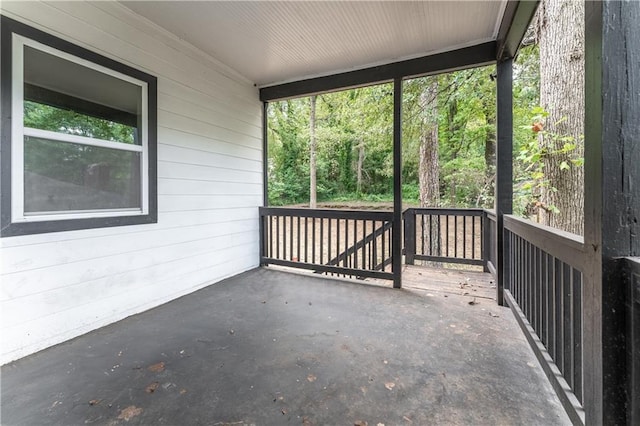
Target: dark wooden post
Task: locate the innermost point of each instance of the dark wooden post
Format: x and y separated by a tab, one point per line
504	171
265	155
409	216
397	183
265	180
612	198
486	241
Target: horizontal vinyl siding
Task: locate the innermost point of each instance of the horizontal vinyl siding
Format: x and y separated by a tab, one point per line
60	285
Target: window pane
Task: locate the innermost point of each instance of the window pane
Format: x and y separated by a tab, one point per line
66	97
46	117
60	176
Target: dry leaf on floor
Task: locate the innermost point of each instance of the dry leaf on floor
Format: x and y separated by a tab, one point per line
360	423
152	387
311	378
94	401
407	419
389	385
129	413
156	368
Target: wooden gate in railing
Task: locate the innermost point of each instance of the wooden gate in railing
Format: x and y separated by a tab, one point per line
442	235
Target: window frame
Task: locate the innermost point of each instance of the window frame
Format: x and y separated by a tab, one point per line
14	221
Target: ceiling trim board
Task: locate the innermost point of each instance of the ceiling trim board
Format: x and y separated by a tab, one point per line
468	57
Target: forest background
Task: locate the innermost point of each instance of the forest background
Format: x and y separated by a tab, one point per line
337	147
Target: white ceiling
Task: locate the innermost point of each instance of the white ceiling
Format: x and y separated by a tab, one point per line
271	42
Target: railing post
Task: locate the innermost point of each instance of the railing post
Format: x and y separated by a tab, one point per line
409	236
261	230
486	241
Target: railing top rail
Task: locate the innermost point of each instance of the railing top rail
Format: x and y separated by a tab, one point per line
563	245
491	214
634	262
448	211
327	213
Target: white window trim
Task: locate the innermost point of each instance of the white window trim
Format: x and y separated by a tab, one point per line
18	132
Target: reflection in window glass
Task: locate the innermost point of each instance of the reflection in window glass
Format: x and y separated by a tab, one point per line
62	176
46	117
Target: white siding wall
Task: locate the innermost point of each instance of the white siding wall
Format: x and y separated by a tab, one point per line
60	285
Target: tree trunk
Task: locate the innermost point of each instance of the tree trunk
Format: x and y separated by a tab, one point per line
489	108
429	168
429	176
312	155
453	129
561	37
359	167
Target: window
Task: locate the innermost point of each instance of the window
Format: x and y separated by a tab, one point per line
78	143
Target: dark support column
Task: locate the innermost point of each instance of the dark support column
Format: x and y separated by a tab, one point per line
265	180
397	183
265	155
612	199
504	171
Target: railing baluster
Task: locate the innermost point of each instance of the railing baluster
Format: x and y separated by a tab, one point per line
424	234
384	266
455	236
338	239
544	321
321	240
446	233
279	237
553	319
558	357
298	241
532	285
364	246
355	240
306	240
346	242
473	237
271	236
329	243
375	247
577	334
464	237
567	323
313	241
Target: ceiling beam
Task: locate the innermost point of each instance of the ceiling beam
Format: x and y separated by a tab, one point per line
468	57
515	22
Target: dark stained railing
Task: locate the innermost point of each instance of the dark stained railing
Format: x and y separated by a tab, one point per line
347	243
444	235
633	338
544	289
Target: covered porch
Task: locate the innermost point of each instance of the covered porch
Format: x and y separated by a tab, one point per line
558	345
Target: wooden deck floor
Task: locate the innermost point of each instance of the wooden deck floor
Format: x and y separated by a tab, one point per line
445	282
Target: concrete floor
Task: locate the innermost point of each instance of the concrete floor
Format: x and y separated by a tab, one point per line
274	348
